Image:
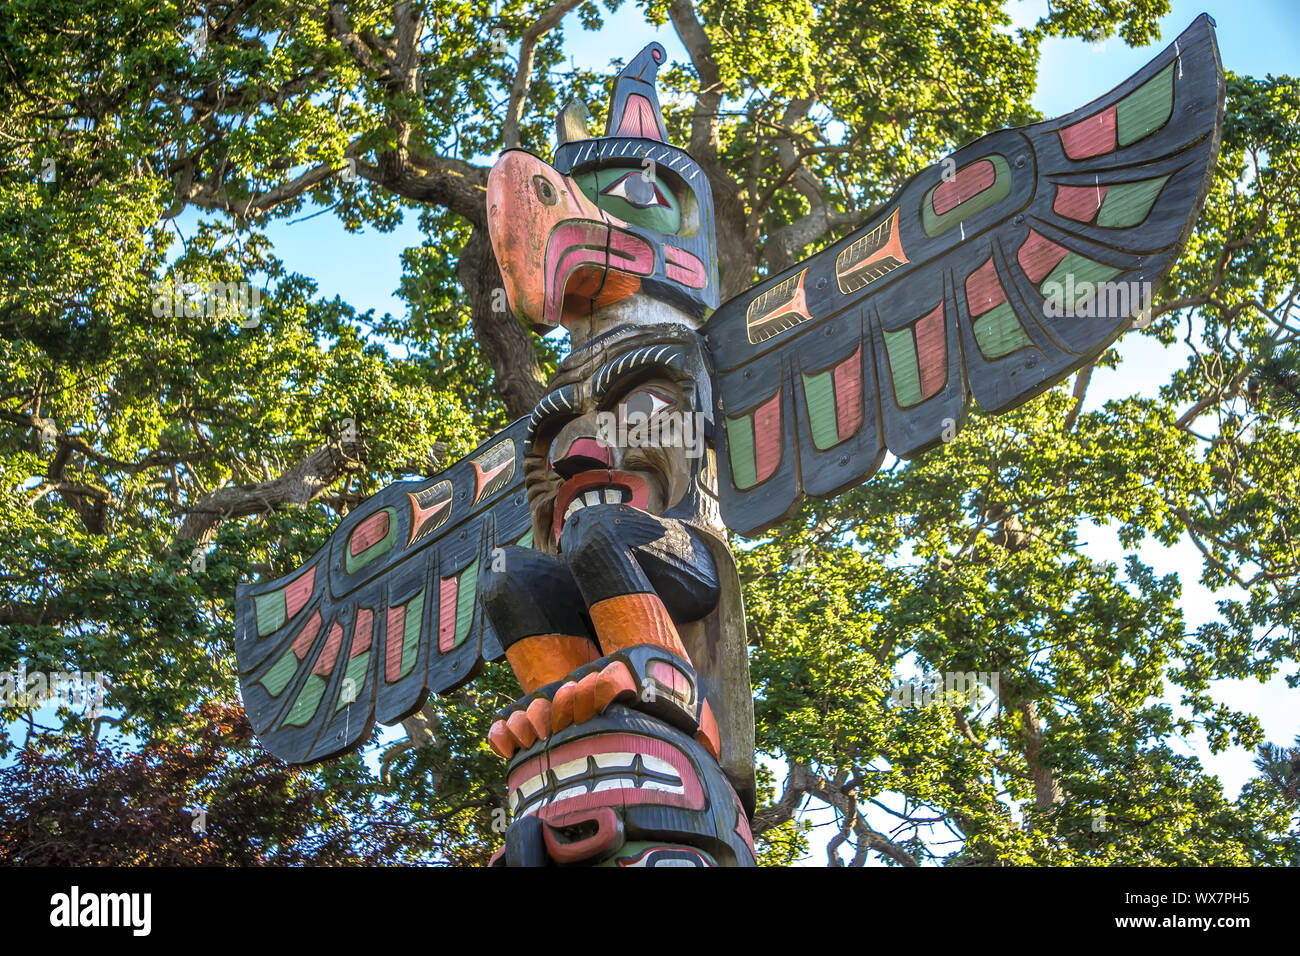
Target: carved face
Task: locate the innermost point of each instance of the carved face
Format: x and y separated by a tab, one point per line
613	216
629	789
635	443
619	225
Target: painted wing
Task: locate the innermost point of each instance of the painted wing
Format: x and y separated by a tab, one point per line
384	612
994	274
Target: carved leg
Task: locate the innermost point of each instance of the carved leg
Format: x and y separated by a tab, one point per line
536	610
613	759
639	575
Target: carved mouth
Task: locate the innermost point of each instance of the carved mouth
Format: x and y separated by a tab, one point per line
592	260
602	494
599	486
559	252
604	770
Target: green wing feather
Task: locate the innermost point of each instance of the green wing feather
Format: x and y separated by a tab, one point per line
991	275
384	613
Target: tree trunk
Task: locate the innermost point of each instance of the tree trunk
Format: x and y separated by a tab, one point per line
504	340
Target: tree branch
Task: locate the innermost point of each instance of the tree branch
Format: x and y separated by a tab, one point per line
297	486
1047	791
804	782
1081	381
549	19
342	30
704	119
785	243
504	340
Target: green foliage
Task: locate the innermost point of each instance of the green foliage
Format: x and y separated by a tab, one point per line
80	802
968	560
120	422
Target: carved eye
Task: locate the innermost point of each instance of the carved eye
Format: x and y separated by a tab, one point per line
637	189
545	191
548	433
644	402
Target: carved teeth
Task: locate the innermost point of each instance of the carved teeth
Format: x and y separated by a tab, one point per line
659	785
571	768
527	789
596	774
658	765
605	495
615	783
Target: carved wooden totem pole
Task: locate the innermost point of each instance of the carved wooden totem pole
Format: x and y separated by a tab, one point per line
587	543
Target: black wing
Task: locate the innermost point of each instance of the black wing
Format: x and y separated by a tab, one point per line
993	274
384	612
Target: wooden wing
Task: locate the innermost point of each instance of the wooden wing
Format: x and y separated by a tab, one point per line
993	274
385	611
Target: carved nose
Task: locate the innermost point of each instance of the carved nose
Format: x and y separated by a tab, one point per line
583	454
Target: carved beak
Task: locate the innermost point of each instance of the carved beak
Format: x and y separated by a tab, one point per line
561	256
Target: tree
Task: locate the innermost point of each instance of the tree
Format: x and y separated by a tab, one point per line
155	453
220	801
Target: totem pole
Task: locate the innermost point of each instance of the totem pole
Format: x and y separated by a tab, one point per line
587	543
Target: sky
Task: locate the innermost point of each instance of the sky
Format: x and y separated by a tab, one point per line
1256	37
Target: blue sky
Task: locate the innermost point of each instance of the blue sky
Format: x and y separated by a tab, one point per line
365	269
1256	37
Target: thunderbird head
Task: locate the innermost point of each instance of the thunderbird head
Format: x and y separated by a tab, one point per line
625	218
